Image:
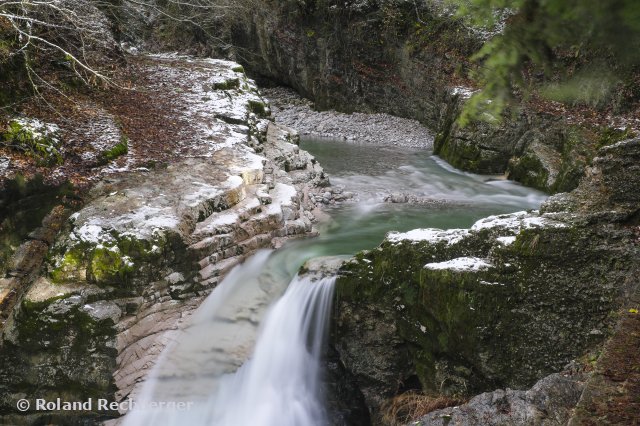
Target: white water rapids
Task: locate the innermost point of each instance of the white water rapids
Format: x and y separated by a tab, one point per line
280	384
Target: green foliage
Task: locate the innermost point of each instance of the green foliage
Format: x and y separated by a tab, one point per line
610	136
572	51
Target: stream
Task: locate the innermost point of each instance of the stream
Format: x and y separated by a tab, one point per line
252	354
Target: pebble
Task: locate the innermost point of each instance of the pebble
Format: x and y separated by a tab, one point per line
290	109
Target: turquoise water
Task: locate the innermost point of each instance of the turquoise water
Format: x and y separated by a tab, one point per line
455	199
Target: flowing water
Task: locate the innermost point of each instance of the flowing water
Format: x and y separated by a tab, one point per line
252	352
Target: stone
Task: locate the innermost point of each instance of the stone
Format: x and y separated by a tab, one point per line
549	402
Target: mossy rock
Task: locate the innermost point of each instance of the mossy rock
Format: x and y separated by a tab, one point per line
119	149
231	84
118	262
34	139
258	108
545	299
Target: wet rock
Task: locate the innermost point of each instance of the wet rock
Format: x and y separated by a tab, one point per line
609	190
409	198
103	310
499	305
323	266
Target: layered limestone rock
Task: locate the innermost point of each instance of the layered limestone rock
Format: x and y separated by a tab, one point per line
503	304
138	258
538	150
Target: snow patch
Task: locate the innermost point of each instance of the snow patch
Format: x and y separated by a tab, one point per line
516	221
432	235
506	241
463	92
461	264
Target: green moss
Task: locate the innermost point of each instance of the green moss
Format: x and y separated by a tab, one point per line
239	69
258	108
529	171
609	135
233	83
71	266
108	265
116	151
460	154
44	148
508	325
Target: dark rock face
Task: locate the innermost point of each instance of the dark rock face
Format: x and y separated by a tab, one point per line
383	57
503	304
539	151
609	191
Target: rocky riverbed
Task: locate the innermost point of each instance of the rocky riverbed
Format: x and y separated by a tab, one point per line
292	110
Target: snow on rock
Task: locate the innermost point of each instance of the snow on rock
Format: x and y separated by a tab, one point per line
433	235
463	92
283	195
516	221
506	241
461	264
39	129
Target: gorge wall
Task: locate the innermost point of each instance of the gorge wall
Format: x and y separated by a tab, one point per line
411	59
501	305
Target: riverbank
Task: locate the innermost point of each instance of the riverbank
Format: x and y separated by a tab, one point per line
292	110
108	287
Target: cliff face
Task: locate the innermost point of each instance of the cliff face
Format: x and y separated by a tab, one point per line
410	59
397	58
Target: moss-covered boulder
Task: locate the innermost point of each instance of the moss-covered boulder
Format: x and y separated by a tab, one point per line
63	345
511	300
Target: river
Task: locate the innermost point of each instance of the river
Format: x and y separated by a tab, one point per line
252	353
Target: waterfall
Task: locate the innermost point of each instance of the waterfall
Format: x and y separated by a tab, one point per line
280	383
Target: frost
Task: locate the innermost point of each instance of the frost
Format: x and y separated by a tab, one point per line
224	219
516	221
490	283
283	195
463	92
39	129
92	233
